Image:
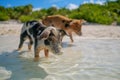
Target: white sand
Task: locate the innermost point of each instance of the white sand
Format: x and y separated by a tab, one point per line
89	31
101	31
10	28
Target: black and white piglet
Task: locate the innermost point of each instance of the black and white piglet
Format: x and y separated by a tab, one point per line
47	38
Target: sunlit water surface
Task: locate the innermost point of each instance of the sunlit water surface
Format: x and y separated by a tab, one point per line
85	59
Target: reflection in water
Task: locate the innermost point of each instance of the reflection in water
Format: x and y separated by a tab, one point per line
86	59
22	68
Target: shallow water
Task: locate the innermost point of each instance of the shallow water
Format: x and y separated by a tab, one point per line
85	59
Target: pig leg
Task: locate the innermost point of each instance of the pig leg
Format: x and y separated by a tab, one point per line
36	51
23	37
30	43
46	51
62	34
70	35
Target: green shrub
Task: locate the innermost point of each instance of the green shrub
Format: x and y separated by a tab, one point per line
94	13
24	18
118	20
4	17
104	20
75	15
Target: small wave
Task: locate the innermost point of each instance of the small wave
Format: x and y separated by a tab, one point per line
26	54
4	74
54	77
36	79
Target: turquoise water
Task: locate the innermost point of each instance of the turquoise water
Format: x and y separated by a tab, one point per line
85	59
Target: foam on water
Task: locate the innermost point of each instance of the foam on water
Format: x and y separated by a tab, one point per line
26	54
63	66
36	79
4	74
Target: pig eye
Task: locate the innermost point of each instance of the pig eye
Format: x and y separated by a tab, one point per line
39	32
47	42
50	39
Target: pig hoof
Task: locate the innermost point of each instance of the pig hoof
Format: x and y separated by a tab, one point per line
29	50
18	50
36	59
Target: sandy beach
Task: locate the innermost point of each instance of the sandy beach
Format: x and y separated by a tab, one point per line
93	56
88	30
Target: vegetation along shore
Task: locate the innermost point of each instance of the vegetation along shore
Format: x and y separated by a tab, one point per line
107	13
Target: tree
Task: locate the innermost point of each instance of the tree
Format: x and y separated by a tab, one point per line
27	9
2	9
63	11
51	10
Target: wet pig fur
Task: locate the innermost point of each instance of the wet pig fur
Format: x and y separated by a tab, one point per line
47	38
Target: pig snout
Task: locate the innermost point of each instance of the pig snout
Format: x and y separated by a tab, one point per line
80	33
58	53
57	50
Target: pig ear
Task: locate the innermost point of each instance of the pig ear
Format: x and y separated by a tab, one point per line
44	35
71	22
54	31
82	21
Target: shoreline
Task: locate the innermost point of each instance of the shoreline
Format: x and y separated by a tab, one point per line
89	31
